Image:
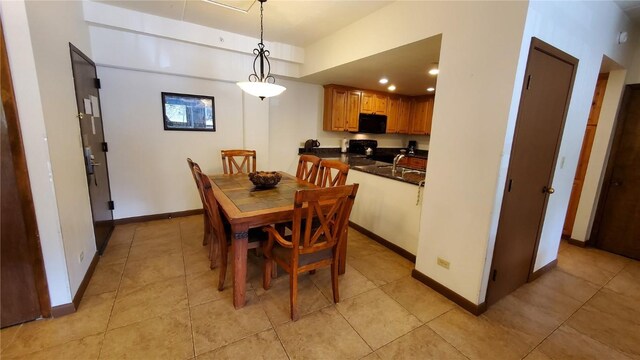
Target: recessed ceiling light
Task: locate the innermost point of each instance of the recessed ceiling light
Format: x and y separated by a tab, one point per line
434	71
383	81
391	87
431	89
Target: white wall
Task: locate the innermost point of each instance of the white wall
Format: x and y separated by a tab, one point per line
34	136
478	60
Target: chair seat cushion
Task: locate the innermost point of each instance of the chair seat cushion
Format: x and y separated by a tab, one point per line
284	254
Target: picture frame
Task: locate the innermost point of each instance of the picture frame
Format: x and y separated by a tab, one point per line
187	112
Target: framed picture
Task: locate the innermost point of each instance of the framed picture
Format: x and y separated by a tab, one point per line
188	112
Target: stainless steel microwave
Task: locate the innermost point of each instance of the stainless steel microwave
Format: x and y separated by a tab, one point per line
372	124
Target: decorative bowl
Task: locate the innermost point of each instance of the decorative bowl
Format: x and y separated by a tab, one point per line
265	179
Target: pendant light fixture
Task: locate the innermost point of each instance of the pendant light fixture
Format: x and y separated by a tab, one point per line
261	84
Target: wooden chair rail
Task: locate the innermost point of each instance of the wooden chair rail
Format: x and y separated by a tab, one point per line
230	160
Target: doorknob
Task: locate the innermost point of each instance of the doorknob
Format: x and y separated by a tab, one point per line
548	190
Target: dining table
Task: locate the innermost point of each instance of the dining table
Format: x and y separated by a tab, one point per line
246	206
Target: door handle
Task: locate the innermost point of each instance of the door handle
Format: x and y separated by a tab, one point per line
95	164
548	190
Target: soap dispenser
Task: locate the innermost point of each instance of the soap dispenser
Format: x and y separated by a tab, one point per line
345	144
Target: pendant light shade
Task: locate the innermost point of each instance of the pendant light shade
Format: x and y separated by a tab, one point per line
261	83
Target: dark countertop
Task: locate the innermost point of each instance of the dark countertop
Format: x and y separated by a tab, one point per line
371	165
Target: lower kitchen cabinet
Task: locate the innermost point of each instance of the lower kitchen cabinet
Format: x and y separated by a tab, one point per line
387	208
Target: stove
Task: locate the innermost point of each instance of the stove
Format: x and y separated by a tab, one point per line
360	146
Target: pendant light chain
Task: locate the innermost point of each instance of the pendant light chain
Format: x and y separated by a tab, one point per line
261	20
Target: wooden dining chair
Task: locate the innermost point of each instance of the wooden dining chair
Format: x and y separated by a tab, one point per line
309	248
230	159
332	173
308	168
220	250
207	226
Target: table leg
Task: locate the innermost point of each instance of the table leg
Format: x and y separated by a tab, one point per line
342	259
240	242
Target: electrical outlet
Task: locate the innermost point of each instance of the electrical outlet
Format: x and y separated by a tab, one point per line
444	263
81	256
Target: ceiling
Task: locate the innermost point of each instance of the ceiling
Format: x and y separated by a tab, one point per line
406	67
631	8
295	22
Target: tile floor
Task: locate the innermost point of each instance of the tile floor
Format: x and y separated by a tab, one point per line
153	297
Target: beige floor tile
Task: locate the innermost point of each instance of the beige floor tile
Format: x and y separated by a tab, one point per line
90	319
567	343
359	246
7	335
161	248
421	343
627	282
149	301
533	311
143	272
324	334
377	317
477	337
218	323
567	284
158	233
382	268
115	254
198	262
612	319
590	264
372	356
85	348
164	337
122	234
264	345
106	278
276	300
202	287
351	283
422	301
537	355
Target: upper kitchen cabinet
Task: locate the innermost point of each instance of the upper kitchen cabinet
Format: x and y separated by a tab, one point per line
373	103
421	114
404	115
393	111
341	108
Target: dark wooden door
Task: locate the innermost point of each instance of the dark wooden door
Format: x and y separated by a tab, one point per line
543	106
86	83
617	228
24	294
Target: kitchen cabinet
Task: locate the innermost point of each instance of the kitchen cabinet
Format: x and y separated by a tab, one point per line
413	162
341	109
393	112
421	115
373	103
404	115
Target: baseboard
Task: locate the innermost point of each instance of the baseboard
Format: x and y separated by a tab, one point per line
158	216
577	242
543	270
449	294
386	243
62	310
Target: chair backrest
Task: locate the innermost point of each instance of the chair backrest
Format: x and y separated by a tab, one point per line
210	204
308	168
332	173
333	223
193	166
230	160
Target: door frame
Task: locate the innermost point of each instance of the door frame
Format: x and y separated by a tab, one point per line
539	45
23	180
615	145
73	49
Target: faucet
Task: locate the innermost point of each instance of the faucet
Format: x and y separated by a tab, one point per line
396	160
